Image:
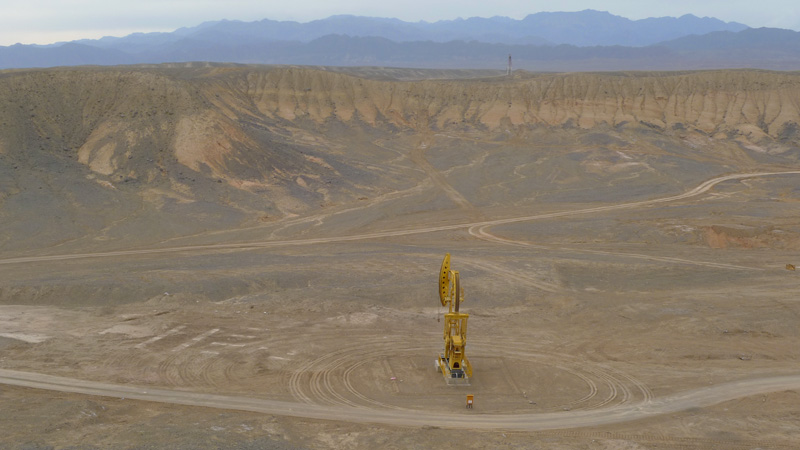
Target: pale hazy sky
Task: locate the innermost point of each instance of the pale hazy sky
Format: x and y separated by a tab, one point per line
48	21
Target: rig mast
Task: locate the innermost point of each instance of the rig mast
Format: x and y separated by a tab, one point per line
453	363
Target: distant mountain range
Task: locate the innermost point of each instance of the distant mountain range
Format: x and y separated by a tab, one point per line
585	28
559	41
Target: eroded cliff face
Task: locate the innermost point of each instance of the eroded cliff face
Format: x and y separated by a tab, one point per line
753	104
260	143
110	116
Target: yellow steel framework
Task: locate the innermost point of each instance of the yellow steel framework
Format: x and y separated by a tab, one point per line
453	363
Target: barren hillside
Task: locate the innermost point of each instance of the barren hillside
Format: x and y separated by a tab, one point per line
131	152
749	103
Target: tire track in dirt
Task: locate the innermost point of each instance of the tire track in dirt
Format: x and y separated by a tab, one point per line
329	379
689	443
695	398
481	233
244	246
513	276
334	378
320	218
417	156
597	377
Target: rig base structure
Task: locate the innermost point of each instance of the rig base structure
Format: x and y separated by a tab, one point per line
455	377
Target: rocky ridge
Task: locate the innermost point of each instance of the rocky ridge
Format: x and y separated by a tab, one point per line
105	115
237	144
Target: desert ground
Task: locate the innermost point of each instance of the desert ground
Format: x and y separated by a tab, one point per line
197	256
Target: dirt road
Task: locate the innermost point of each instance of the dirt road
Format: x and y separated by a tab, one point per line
700	189
697	398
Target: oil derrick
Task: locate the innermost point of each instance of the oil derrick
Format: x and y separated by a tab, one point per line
453	363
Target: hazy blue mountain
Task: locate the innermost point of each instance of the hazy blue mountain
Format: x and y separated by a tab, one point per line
779	51
751	39
133	43
591	28
536	43
584	28
69	54
765	48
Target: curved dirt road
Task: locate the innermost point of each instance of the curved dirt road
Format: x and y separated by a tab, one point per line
702	188
697	398
481	233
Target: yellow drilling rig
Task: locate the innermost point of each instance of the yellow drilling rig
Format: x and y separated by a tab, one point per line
453	363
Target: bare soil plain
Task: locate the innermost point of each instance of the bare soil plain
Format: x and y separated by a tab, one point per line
211	256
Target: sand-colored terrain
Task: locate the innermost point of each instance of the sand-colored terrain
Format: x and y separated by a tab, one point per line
246	257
